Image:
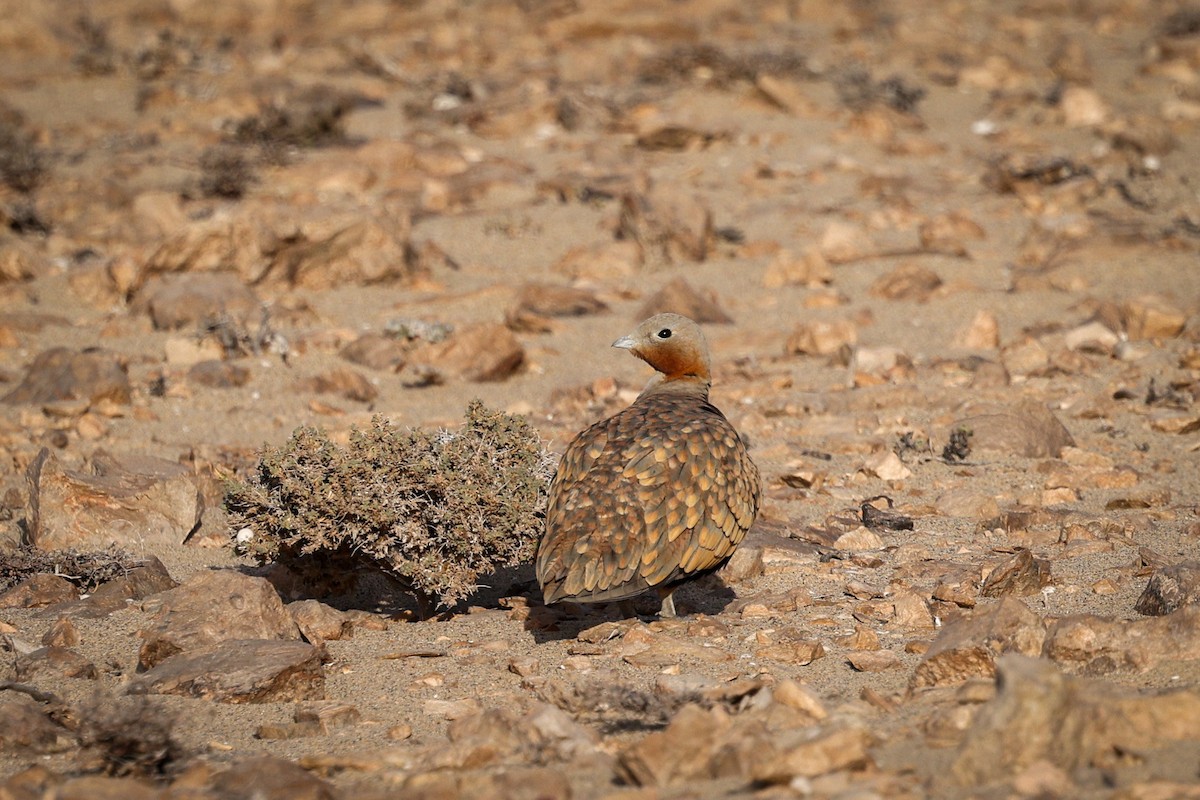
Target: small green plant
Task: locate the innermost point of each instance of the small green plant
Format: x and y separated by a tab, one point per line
432	510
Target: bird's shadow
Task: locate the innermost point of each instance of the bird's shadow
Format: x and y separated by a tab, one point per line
562	621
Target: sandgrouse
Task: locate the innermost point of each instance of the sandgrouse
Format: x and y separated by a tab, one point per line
656	495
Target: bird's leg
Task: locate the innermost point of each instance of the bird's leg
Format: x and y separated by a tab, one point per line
667	610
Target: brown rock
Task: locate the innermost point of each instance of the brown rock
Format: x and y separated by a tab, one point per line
62	633
343	382
1152	317
190	300
960	587
983	333
678	297
319	623
809	752
681	752
967	648
269	778
212	607
946	233
873	661
1039	714
25	728
601	263
547	300
1022	574
1100	645
908	281
54	661
240	671
1169	589
1028	429
39	590
327	715
481	353
788	269
218	374
132	501
671	225
62	374
149	577
821	337
377	351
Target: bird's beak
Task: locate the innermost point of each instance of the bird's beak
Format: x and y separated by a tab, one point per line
625	343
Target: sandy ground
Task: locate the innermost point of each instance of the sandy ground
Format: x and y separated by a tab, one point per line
1102	86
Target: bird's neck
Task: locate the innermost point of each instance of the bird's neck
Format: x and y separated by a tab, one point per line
692	385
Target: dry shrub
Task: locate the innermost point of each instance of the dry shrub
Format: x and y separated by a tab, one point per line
432	510
127	736
87	570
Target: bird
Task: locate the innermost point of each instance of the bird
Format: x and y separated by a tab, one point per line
658	494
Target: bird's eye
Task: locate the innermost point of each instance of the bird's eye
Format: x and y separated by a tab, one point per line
665	333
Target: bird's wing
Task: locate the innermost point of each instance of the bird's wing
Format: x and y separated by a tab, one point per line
644	499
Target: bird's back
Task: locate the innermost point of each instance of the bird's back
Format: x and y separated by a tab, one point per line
657	494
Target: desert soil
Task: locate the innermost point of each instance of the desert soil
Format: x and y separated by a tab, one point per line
908	211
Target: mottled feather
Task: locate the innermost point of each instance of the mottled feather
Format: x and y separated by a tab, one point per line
656	495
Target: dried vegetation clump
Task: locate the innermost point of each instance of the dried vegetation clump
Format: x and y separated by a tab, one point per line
87	570
128	736
432	510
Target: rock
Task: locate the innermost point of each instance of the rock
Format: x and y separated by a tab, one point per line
873	661
821	337
810	752
887	466
513	782
213	607
679	297
1040	714
39	590
842	242
858	540
799	697
132	501
983	333
960	587
451	709
908	281
319	623
681	752
188	351
377	351
103	787
481	353
707	745
1028	429
343	382
967	647
62	633
1091	337
1025	356
63	374
1170	588
1152	317
282	245
139	582
1022	574
1094	645
269	778
788	269
218	374
53	660
194	300
239	671
1082	107
670	223
604	262
547	300
25	728
946	233
327	715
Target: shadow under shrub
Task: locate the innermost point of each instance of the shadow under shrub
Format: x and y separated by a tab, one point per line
432	510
